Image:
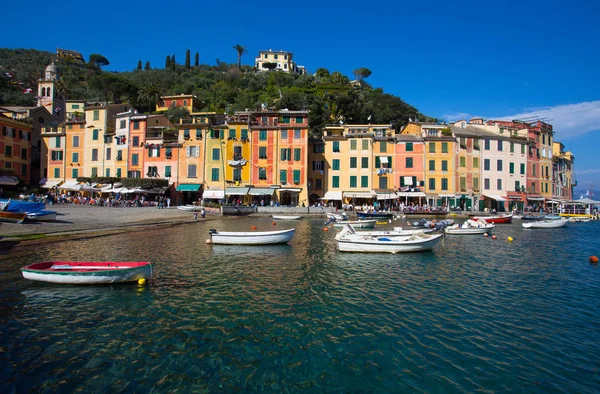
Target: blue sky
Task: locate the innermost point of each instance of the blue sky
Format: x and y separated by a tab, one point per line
450	59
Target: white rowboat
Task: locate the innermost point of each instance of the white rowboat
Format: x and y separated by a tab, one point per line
356	223
546	224
287	217
355	242
470	227
87	273
251	238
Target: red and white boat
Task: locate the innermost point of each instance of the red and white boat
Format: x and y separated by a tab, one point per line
87	273
495	219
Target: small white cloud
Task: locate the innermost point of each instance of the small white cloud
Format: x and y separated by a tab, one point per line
569	120
457	116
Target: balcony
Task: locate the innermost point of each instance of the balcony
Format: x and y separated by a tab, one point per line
268	123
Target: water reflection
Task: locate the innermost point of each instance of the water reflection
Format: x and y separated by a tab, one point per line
243	253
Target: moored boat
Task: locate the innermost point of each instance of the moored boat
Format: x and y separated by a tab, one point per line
552	223
470	227
251	237
495	218
375	215
12	217
351	241
87	273
190	208
287	217
41	216
396	232
355	223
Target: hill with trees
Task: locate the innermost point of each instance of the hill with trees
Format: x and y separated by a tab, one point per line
331	97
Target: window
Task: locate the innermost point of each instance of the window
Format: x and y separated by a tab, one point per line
8	150
432	147
299	119
409	162
335	181
444	165
476	162
297	154
283	176
136	124
262	173
96	115
75	141
75	157
74	173
336	146
409	146
486	164
499	165
512	147
168	153
431	165
94	172
353	181
107	172
383	146
55	155
431	183
95	134
517	186
136	141
498	184
153	152
135	159
463	161
364	181
353	162
500	146
122	124
262	135
365	144
444	147
191	171
193	151
522	169
216	154
463	183
364	162
214	174
186	134
383	182
285	119
522	149
284	134
297	134
57	173
108	153
335	164
94	154
118	174
286	154
318	184
232	134
444	183
24	153
244	134
296	176
486	144
511	168
352	144
262	152
476	183
237	174
534	170
486	183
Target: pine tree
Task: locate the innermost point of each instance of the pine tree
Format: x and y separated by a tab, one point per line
187	59
168	62
197	59
139	67
147	66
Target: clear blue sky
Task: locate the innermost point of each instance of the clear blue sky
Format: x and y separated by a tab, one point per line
450	59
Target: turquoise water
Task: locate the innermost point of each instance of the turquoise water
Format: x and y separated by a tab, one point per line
476	314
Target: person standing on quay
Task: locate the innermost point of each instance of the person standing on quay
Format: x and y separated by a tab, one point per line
195	216
203	213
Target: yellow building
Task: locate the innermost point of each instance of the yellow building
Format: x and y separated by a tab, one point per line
237	160
190	175
384	149
440	168
213	171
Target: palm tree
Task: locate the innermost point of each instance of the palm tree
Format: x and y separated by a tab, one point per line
149	94
240	51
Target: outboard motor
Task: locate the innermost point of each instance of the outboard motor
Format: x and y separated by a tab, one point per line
212	231
329	221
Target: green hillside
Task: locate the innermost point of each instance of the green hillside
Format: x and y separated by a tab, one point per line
329	96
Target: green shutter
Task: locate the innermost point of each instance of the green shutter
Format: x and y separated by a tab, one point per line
296	154
296	176
353	181
283	176
364	181
377	162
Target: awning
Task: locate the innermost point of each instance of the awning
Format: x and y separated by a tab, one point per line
358	195
446	195
71	185
494	197
8	180
383	159
261	191
236	191
553	202
535	198
213	194
333	196
188	187
408	181
51	184
386	196
291	189
514	197
411	194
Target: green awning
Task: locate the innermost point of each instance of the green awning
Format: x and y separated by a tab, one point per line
189	187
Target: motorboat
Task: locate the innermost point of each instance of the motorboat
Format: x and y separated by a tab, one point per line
190	208
355	223
352	241
251	237
375	215
470	227
87	272
287	217
395	232
496	218
41	216
546	224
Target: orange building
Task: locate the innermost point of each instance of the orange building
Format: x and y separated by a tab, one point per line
15	148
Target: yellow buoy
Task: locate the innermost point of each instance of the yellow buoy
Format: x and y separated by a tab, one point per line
593	259
142	281
510	239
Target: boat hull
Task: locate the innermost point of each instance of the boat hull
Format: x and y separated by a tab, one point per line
386	216
541	224
387	245
12	217
87	273
190	208
356	223
467	231
287	217
42	216
252	238
495	219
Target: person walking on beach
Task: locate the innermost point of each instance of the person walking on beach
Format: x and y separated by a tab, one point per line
195	216
203	213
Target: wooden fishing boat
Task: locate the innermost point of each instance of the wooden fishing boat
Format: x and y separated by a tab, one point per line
12	217
552	223
251	237
87	273
287	217
470	227
355	223
351	241
496	218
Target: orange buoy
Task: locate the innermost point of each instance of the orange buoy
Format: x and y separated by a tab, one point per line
253	227
273	223
593	259
485	234
325	229
494	237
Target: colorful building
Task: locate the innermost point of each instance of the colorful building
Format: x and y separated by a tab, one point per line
408	167
188	101
15	151
277	60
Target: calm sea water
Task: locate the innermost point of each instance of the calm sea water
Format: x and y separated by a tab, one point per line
474	315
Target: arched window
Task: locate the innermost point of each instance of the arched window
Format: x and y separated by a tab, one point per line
173	103
185	103
43	92
48	92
